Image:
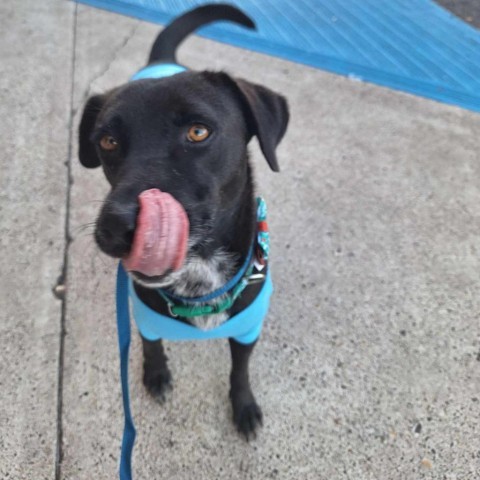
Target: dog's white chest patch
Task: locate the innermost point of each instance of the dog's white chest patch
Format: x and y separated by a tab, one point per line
199	277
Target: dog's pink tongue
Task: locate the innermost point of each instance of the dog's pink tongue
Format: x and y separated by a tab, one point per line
160	240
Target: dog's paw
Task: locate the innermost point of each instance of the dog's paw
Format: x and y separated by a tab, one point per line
247	418
158	384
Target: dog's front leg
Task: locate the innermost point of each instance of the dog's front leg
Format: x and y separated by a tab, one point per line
156	375
247	415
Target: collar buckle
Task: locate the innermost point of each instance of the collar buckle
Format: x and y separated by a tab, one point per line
255	278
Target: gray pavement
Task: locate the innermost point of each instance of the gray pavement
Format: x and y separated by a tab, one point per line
36	41
368	367
467	10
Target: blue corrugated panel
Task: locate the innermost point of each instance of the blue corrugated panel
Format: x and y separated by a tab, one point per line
410	45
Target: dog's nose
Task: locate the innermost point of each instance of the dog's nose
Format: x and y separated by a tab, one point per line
115	229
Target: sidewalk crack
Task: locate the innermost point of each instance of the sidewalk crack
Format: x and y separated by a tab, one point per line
115	56
64	273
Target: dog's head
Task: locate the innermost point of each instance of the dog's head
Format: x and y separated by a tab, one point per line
186	135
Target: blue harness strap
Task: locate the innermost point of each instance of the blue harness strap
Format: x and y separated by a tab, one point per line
158	70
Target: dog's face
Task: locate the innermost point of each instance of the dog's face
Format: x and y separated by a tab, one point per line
186	135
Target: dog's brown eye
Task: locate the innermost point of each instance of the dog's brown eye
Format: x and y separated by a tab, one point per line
198	133
108	143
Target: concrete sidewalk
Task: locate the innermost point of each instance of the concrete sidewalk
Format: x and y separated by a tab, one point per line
369	364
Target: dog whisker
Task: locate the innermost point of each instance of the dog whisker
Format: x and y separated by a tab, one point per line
82	228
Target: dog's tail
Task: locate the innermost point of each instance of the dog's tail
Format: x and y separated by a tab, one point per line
167	42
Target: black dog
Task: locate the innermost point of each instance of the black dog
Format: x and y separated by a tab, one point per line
186	135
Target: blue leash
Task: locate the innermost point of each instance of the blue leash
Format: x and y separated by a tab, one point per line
123	328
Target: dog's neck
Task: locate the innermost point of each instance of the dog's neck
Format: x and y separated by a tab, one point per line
234	226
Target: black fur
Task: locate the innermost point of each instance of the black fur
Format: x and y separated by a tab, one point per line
166	44
212	179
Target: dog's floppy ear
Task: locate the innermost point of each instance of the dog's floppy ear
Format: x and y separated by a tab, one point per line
86	149
267	117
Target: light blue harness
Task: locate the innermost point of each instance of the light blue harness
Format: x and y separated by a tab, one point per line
244	327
